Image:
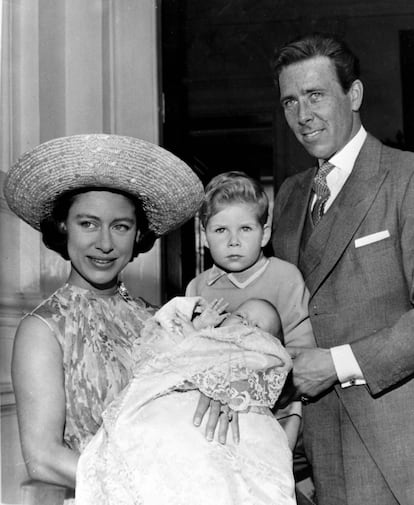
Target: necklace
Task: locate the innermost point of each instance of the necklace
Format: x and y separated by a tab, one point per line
122	290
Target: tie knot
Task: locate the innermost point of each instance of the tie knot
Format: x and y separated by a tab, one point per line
319	185
325	168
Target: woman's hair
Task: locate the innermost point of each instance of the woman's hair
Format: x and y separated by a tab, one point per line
54	232
233	187
344	60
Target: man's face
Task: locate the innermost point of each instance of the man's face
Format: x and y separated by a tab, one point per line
320	114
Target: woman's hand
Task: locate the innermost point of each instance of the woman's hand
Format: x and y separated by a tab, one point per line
218	414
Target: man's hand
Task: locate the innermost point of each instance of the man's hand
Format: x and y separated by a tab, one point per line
313	370
217	415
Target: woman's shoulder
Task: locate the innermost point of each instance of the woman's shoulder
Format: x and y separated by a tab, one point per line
51	311
56	303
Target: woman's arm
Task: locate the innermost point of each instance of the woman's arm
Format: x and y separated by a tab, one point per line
290	418
38	381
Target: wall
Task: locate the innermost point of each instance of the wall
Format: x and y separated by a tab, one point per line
67	67
233	116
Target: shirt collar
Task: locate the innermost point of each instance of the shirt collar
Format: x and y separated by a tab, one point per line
345	158
239	279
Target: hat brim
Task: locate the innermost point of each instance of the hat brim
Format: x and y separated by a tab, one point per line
168	190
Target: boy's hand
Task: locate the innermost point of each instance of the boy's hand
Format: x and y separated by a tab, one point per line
218	413
212	314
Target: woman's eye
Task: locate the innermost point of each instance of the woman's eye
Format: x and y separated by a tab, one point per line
87	224
122	227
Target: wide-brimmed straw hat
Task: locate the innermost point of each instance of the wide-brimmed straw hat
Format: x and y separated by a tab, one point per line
169	191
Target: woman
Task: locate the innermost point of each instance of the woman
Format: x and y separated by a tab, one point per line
98	200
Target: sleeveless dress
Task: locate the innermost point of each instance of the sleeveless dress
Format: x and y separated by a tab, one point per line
99	337
148	452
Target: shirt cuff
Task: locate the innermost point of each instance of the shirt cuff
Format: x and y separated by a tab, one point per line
346	366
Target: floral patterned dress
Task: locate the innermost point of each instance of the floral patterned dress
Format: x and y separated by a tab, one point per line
99	336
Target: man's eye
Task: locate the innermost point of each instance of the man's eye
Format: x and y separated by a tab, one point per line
316	96
289	104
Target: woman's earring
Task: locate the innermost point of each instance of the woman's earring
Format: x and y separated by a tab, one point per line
62	227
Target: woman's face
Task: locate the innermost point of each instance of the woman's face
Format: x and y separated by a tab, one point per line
101	232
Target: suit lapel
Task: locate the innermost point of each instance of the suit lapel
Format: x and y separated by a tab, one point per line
337	228
292	224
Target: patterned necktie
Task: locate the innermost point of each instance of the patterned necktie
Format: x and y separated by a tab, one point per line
321	190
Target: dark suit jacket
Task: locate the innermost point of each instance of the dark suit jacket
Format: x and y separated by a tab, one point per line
364	296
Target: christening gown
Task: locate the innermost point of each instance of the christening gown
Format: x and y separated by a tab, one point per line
148	452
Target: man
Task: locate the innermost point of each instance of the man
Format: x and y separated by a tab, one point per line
351	232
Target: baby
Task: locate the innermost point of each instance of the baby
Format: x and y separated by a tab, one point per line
147	451
257	313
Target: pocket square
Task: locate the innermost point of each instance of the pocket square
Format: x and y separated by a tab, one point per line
374	237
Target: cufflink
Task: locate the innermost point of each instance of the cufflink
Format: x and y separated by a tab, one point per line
304	399
353	382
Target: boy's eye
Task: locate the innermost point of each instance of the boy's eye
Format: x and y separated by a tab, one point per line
219	230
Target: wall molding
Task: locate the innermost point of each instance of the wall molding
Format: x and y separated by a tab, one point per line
7	399
269	11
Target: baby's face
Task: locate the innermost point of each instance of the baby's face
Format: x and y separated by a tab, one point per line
256	314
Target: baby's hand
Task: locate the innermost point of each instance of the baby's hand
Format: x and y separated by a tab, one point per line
213	314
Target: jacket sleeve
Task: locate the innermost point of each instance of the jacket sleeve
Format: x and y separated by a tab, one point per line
386	357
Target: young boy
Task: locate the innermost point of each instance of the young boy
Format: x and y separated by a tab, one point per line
234	217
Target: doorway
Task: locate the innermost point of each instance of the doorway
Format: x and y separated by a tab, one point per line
219	103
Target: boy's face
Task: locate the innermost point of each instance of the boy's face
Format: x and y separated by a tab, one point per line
235	237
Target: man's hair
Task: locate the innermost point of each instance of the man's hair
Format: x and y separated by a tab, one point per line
318	44
233	187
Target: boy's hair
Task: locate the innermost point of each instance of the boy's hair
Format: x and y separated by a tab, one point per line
233	187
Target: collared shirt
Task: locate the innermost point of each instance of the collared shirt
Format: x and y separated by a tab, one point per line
347	368
344	161
239	279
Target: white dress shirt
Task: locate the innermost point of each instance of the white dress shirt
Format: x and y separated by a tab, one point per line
347	368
